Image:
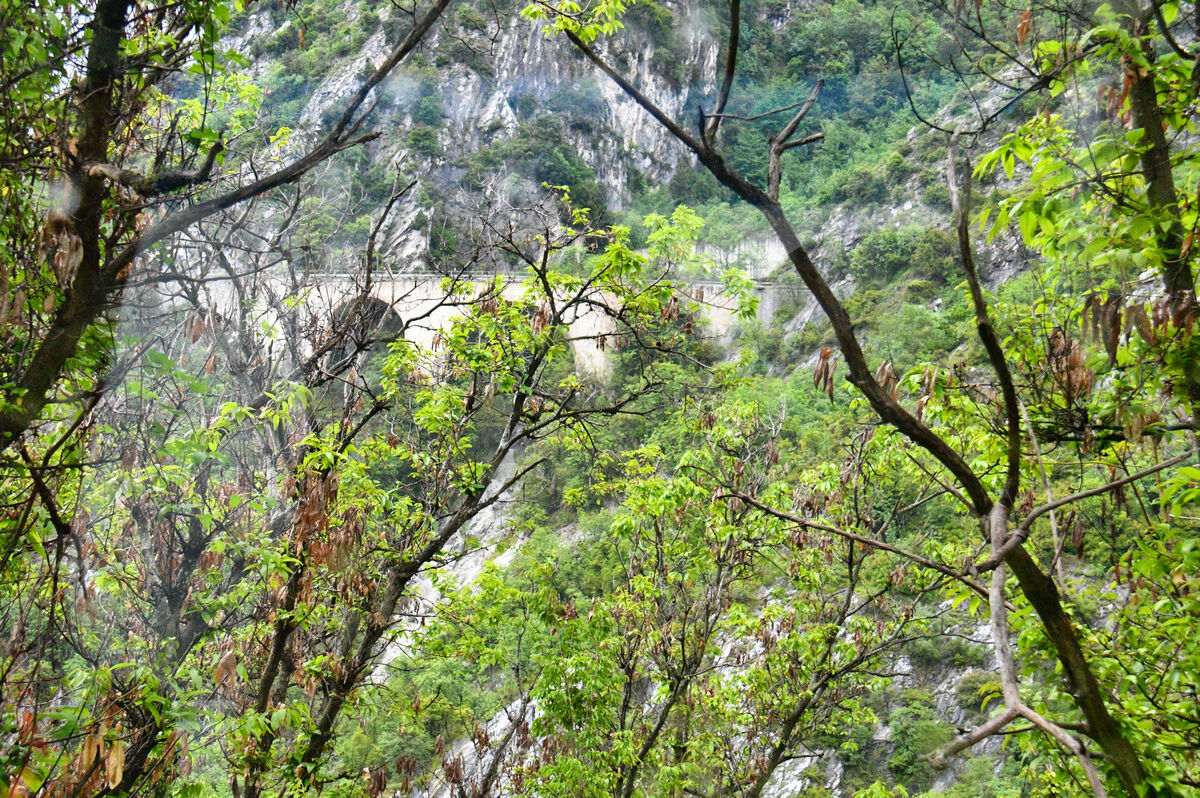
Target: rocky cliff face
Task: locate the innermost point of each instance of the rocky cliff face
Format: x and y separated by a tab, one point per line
621	137
495	75
496	71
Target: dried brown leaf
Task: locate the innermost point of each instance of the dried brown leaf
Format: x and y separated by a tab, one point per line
114	763
1024	26
226	673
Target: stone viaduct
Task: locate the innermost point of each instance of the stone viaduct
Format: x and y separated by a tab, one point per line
420	300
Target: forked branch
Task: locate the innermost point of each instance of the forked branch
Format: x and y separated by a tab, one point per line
959	203
865	540
1020	534
709	131
997	524
781	142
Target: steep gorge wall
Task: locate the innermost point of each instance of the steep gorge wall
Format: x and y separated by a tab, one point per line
498	75
492	78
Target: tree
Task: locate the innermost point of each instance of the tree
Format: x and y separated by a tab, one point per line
252	547
98	165
1130	56
709	648
86	132
966	464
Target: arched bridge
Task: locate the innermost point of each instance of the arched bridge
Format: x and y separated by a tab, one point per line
420	301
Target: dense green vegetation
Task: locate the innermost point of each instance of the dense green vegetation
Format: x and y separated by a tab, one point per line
560	531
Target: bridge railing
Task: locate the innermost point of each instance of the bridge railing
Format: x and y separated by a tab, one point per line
480	278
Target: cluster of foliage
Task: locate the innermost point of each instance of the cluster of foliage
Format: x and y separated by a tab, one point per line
1127	402
930	253
228	574
230	518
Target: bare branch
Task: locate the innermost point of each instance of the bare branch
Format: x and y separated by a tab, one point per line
871	542
731	45
755	117
940	758
809	139
1074	497
1022	532
983	323
780	143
